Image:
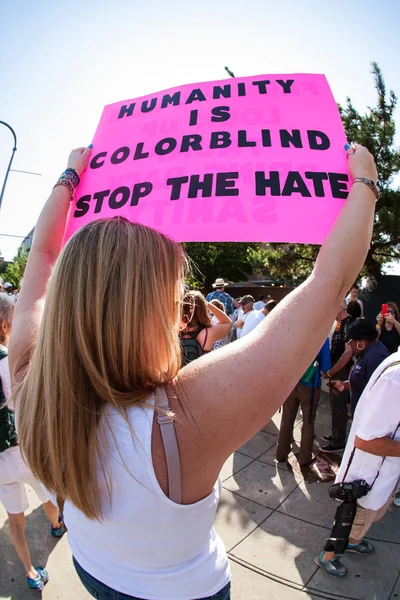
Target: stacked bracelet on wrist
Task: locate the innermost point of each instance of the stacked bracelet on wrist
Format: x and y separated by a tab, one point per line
69	179
329	374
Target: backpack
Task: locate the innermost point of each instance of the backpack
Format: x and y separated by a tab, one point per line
191	348
8	434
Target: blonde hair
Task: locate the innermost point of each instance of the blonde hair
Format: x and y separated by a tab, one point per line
103	340
195	312
6	312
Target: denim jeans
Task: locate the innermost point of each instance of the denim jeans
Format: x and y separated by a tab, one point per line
103	592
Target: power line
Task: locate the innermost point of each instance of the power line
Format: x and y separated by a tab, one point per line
27	172
22	237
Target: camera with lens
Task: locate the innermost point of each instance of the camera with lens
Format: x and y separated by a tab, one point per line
349	492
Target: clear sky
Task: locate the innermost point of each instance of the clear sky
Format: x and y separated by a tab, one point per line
61	62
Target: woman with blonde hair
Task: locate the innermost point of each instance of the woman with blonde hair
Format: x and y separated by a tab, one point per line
200	333
111	424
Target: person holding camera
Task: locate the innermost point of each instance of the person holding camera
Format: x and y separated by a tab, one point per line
388	326
370	468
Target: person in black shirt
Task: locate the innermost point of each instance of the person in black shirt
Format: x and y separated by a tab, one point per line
361	337
337	439
389	328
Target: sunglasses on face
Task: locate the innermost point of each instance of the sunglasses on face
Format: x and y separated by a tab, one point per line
391	312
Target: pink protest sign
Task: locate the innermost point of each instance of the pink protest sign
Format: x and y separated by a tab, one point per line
246	159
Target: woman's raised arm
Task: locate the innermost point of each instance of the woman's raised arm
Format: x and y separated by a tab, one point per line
46	246
252	377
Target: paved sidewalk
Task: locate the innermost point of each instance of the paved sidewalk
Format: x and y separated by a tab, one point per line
273	523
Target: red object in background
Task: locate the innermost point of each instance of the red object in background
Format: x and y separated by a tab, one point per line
385	309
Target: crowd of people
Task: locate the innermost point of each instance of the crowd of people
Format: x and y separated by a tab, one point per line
114	413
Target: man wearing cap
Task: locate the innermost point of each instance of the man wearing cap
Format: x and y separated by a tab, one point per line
247	306
221	295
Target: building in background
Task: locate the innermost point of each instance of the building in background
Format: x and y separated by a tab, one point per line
27	242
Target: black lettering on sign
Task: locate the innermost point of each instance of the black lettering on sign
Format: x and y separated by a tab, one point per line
224	91
146	107
243	142
293	138
191	141
262	85
196	94
224	184
174	100
120	155
317	179
295	185
196	185
176	183
286	85
262	183
193	117
95	163
126	111
266	138
82	206
220	139
241	89
220	114
170	144
139	152
140	190
318	140
99	197
338	184
114	202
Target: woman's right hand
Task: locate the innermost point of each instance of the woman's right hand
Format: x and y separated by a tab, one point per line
380	319
362	164
78	159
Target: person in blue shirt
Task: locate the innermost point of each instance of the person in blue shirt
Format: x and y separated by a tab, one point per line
306	394
221	295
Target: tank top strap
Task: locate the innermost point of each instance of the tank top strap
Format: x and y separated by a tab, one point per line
168	435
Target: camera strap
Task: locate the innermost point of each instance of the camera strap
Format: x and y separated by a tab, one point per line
391	437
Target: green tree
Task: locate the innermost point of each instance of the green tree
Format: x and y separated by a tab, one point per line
375	130
229	260
15	269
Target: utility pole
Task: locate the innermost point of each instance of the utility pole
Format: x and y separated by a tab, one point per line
11	159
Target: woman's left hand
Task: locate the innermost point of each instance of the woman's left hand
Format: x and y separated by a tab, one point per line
390	318
78	159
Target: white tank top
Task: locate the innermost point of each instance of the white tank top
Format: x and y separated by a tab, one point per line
146	545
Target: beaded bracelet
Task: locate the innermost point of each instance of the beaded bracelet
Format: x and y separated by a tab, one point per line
73	175
69	179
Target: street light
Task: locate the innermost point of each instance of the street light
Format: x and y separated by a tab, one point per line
11	159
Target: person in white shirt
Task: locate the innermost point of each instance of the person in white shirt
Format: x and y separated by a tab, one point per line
375	439
261	302
246	304
255	317
108	419
352	296
14	472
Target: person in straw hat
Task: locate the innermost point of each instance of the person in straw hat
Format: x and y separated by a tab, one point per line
220	294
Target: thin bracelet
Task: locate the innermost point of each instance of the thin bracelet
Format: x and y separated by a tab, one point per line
369	183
